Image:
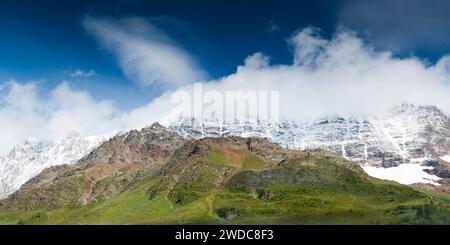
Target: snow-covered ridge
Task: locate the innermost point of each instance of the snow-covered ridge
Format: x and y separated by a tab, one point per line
406	134
27	160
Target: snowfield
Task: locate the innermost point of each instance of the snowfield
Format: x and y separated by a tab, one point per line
408	173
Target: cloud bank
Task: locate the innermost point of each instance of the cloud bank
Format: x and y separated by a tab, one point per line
144	53
342	75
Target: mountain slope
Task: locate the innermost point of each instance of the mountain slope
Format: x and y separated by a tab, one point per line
103	173
156	176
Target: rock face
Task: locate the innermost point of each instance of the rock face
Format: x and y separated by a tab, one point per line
406	134
104	172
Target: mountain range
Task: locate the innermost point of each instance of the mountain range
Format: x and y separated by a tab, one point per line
312	172
418	135
157	176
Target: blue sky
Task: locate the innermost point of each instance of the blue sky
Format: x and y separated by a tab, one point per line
45	40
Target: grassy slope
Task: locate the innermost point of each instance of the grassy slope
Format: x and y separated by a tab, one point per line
253	162
340	197
130	207
376	203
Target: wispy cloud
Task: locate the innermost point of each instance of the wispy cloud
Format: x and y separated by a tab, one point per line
81	73
145	54
272	27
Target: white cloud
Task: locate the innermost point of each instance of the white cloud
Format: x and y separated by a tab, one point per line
257	61
307	45
81	73
24	113
145	54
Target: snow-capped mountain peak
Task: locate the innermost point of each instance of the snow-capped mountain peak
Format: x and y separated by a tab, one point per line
28	159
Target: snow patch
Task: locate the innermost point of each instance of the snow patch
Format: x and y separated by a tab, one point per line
445	158
407	174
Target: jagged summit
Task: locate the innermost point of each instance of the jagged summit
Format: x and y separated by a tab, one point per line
156	125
